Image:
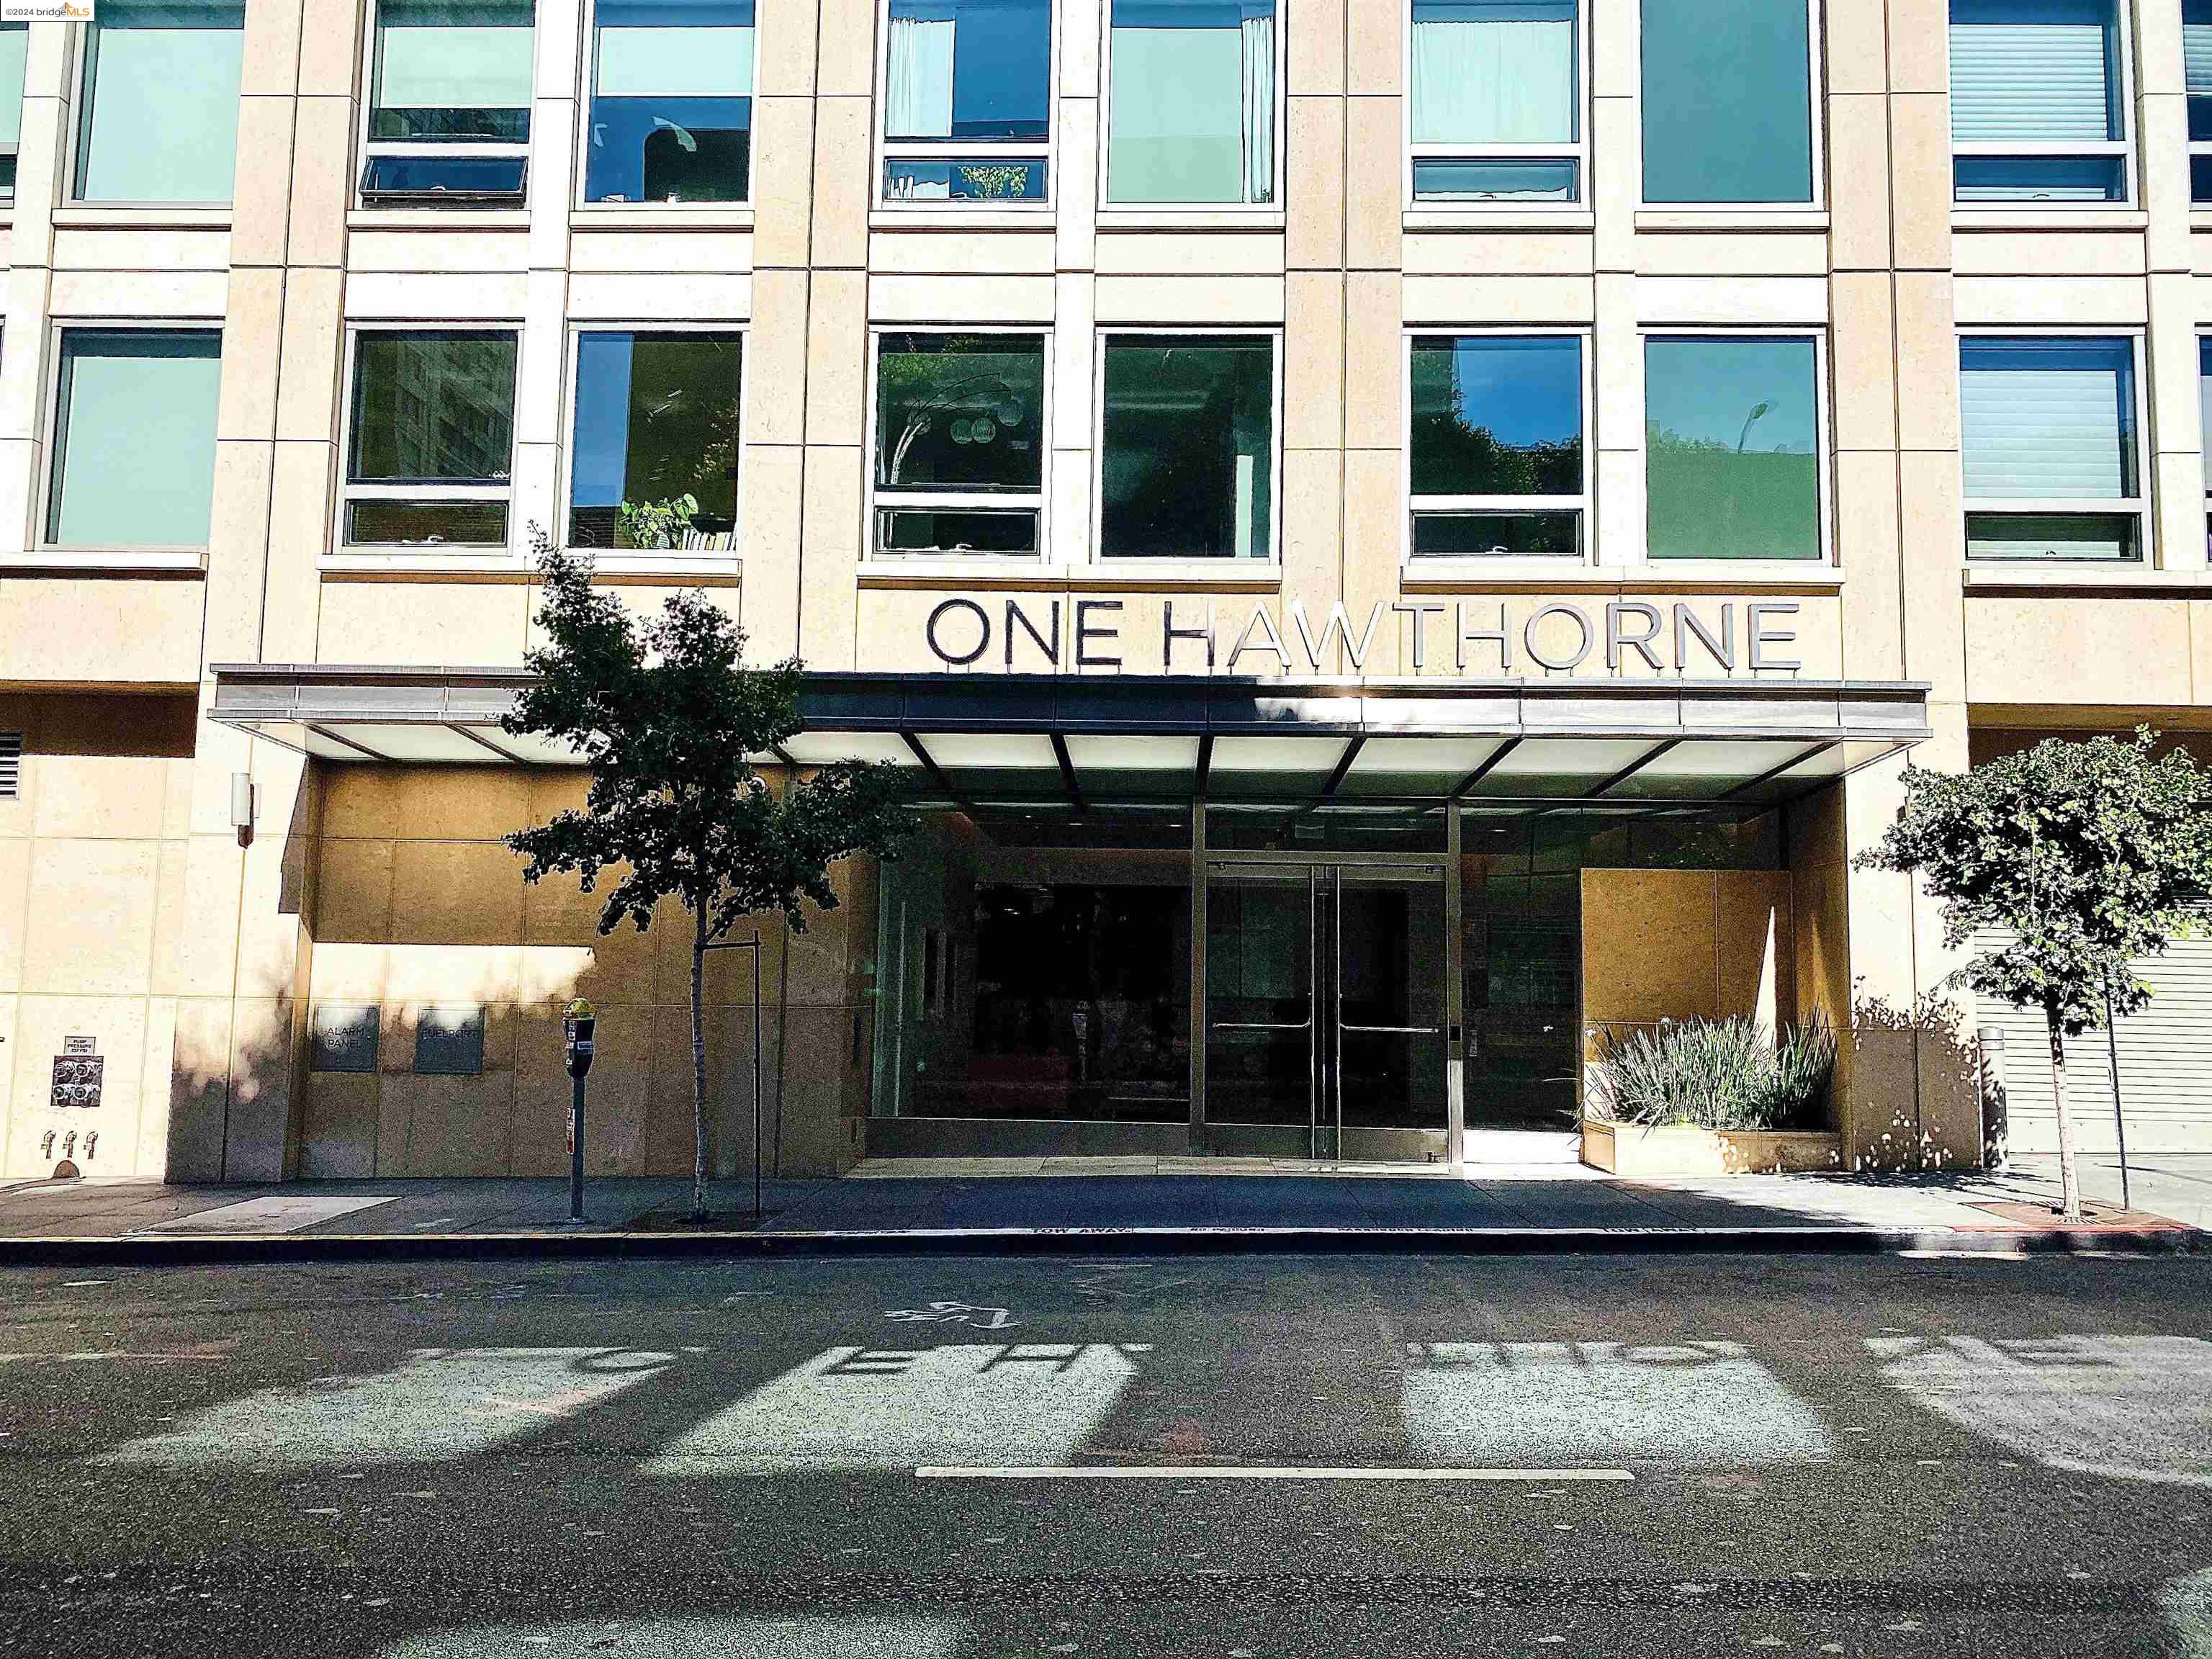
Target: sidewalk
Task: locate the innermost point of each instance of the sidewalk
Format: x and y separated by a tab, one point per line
1088	1205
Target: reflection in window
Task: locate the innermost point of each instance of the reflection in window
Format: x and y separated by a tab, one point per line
451	86
1187	463
1727	104
1497	445
160	122
959	443
656	418
967	89
672	102
1495	76
2036	101
2047	441
432	438
1191	114
1732	447
14	45
134	437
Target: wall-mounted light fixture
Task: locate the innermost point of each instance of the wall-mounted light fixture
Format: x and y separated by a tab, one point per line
245	803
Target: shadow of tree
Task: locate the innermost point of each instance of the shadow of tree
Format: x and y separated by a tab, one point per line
1913	1086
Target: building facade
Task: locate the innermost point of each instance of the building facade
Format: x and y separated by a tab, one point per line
1393	538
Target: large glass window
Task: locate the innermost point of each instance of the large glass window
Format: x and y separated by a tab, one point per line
431	438
2047	441
656	421
1191	102
2038	106
2196	64
1732	446
967	100
134	437
160	116
1728	106
1497	101
960	443
449	106
672	102
1497	445
14	45
1188	444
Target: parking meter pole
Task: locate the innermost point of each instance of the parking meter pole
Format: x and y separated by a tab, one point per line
576	1152
576	1031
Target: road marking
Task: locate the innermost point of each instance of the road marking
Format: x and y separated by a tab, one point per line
1281	1471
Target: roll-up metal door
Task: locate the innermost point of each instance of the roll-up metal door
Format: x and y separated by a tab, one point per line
2165	1064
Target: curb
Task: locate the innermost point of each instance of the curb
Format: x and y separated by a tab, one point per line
158	1250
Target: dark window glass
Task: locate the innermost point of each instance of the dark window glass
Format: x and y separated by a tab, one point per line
960	412
983	179
2115	538
1486	535
909	530
465	177
1188	465
656	418
1497	416
974	71
449	1042
343	1038
1727	101
1443	179
2038	179
435	408
672	102
459	524
1731	457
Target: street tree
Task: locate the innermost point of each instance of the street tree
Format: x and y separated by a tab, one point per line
2088	855
666	714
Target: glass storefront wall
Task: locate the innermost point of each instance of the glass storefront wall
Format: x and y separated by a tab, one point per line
1037	964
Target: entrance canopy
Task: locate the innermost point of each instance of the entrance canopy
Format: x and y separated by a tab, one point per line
980	740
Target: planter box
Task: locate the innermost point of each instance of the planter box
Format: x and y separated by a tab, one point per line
1676	1149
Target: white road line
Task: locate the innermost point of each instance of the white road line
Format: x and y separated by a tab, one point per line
1287	1472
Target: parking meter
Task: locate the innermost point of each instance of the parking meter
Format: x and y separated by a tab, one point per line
577	1044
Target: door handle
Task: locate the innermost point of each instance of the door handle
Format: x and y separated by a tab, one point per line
1394	1030
1237	1025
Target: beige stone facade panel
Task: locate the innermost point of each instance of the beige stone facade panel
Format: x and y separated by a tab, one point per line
2039	252
408	296
1314	212
66	630
2008	301
894	299
1190	302
1188	253
377	622
653	298
600	246
448	252
955	254
1467	299
101	293
152	252
1801	301
1713	254
2051	649
1471	250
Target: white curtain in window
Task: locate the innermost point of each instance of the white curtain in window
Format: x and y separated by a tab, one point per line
919	102
2038	71
1177	124
1258	37
1495	75
2047	419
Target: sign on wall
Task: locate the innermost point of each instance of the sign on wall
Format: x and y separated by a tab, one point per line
78	1073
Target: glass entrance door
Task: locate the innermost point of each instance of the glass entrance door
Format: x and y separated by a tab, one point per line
1325	1009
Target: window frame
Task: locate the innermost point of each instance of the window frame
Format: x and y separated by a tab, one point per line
14	152
1824	441
959	499
885	149
588	88
368	148
56	450
1816	123
2138	506
444	555
1110	211
1578	151
1270	563
1584	504
2123	96
572	365
73	143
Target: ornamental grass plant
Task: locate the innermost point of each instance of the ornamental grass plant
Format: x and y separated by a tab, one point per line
1715	1074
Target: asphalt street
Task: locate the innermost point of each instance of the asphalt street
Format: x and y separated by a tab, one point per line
1218	1458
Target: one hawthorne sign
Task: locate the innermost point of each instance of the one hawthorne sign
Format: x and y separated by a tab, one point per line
1473	636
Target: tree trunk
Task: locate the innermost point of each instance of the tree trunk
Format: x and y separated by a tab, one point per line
2070	1187
699	1067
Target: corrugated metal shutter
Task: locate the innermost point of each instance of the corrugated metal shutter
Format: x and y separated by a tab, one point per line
2165	1066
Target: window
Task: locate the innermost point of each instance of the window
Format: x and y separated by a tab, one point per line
1728	106
656	420
672	102
134	437
2037	101
449	103
432	439
1191	102
2196	64
343	1038
1496	89
449	1042
960	443
2047	441
1496	449
1732	446
14	45
160	116
1187	447
967	100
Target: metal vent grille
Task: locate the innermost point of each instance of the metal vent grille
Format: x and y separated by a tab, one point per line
11	764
